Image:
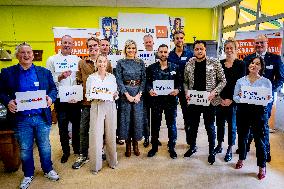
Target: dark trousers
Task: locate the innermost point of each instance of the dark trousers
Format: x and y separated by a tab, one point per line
183	104
252	117
266	131
84	130
68	112
223	114
170	111
194	112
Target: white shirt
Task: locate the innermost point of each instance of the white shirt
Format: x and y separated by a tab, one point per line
50	64
95	78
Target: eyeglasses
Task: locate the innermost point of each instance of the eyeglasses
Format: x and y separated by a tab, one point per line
260	42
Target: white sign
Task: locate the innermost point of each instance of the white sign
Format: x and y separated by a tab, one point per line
148	57
135	26
102	90
30	100
255	95
199	97
113	59
67	93
66	63
163	87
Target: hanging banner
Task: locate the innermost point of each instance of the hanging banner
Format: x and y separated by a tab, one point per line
245	40
80	36
136	26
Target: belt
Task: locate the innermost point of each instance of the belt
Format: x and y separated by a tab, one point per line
132	82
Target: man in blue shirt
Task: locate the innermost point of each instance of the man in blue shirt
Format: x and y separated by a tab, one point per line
29	125
180	56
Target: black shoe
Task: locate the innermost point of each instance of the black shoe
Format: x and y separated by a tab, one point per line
146	142
211	159
228	157
173	153
159	143
268	157
64	158
238	151
190	152
218	149
104	156
120	142
152	152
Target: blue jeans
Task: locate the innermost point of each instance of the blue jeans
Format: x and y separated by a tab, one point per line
28	129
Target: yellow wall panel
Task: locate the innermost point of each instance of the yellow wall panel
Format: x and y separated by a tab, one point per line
34	23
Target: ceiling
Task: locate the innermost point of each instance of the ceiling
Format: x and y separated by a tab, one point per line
119	3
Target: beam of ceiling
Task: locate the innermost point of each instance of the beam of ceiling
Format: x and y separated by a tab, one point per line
119	3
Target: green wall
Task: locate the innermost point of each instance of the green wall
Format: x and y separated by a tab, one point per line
34	23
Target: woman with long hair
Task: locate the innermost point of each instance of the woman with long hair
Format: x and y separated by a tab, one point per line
131	79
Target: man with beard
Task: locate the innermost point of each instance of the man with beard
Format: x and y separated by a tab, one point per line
203	74
163	70
86	68
274	71
180	55
66	111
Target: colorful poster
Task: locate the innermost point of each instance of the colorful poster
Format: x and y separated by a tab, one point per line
67	93
135	26
79	35
30	100
255	95
245	41
163	87
176	24
109	26
199	97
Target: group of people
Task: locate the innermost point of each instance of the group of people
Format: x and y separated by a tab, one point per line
98	125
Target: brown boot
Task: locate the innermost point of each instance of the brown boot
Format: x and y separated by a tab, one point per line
135	148
128	148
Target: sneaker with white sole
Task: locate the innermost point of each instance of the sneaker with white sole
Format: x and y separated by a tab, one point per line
80	162
52	175
26	182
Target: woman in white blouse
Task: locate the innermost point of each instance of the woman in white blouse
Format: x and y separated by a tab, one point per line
101	89
252	116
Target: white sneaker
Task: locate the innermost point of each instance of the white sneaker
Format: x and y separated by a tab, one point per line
52	175
26	182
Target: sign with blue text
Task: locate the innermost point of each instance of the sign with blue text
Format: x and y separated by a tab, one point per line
66	63
68	93
255	95
163	87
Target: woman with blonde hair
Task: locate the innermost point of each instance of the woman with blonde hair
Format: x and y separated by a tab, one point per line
102	115
226	111
131	79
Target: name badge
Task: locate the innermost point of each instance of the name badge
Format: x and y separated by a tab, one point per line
36	84
183	58
270	67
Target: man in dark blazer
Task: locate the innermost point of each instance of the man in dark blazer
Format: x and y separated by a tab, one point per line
274	71
29	125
